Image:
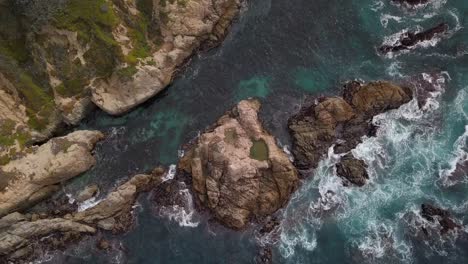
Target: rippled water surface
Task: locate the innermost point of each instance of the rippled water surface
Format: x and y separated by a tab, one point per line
280	52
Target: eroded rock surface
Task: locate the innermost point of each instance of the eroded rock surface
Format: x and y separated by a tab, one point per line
183	30
35	176
342	122
237	170
20	232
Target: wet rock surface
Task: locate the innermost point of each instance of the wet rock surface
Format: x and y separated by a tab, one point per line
410	39
352	170
237	170
342	121
442	216
411	2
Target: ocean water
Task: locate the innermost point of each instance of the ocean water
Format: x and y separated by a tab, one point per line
281	52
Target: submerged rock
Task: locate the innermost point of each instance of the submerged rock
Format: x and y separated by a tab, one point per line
36	176
238	172
352	170
410	39
432	213
342	121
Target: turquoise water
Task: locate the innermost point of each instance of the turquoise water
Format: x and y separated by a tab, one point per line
281	52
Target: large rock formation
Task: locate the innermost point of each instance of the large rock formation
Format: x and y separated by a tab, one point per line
35	176
20	232
57	57
342	122
185	26
237	170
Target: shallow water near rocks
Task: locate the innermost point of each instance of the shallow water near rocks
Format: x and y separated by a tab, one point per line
281	52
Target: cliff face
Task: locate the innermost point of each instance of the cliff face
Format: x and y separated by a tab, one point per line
58	57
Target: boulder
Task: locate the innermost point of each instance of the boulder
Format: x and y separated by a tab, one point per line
238	172
36	175
352	170
88	193
342	122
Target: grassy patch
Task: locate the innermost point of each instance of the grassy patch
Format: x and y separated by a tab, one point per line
127	72
71	88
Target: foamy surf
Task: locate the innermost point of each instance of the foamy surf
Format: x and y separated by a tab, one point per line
185	215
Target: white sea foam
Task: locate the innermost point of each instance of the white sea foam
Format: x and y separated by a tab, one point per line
170	174
394	69
90	203
400	163
184	215
385	18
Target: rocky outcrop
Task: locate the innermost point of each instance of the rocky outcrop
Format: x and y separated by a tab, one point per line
410	39
238	172
443	217
19	233
35	176
58	57
342	122
352	170
114	212
184	28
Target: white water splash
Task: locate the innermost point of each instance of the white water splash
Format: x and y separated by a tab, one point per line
90	203
170	174
184	215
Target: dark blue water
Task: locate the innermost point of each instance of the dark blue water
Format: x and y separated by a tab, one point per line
281	52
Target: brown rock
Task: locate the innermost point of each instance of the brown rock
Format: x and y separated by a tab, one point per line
36	175
237	170
341	121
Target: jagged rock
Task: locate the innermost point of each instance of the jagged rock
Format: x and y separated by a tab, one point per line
18	234
352	170
88	193
184	30
114	211
410	39
432	213
237	170
35	176
341	121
